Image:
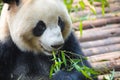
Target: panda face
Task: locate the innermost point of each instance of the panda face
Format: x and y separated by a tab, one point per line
50	36
39	25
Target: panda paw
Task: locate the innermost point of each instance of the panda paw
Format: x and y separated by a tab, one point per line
63	75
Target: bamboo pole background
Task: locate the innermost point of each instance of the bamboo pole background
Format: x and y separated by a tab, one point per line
100	40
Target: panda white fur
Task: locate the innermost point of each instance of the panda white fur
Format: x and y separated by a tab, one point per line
30	31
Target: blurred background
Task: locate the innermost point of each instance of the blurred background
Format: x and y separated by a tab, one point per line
97	26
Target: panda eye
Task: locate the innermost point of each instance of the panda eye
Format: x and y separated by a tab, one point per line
61	24
39	28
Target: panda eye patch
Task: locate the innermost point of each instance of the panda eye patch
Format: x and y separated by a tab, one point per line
61	23
39	28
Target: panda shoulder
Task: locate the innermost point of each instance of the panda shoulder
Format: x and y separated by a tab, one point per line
4	31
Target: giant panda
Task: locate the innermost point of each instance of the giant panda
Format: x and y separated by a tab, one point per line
30	31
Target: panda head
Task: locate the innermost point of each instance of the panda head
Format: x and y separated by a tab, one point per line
38	25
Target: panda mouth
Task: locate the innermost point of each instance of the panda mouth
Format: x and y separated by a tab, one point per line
46	51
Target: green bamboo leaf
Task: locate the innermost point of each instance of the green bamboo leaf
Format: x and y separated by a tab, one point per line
54	55
68	1
91	1
59	63
82	4
80	69
83	18
76	60
51	71
68	4
77	67
63	58
112	75
103	8
86	74
93	10
90	70
81	28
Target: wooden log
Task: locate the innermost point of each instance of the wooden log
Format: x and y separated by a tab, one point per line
101	50
103	42
113	1
109	26
107	15
106	66
97	4
106	27
104	57
90	35
98	22
116	76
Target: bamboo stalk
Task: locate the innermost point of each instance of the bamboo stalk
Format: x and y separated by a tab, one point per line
106	27
98	22
109	26
104	57
89	35
106	66
101	50
98	43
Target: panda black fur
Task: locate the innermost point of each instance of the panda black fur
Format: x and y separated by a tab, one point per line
25	53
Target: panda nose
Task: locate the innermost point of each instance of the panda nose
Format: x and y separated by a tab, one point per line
57	46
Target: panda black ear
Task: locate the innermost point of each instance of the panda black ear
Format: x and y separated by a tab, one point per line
11	1
8	1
